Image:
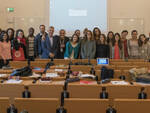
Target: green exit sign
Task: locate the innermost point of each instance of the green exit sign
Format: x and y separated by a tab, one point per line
10	9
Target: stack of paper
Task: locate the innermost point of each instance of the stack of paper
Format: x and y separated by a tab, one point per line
52	75
119	83
12	81
3	75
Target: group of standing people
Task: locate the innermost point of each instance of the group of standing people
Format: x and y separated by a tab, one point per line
92	45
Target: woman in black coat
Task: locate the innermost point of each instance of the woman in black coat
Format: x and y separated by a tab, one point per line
102	48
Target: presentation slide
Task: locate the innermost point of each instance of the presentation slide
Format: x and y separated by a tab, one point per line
78	14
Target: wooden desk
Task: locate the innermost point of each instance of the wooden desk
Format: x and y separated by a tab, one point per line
37	105
46	90
4	104
86	105
132	106
76	90
11	91
93	91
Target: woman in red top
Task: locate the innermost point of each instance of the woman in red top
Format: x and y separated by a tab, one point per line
117	47
20	41
5	50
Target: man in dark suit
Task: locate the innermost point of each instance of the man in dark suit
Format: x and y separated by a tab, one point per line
62	44
50	44
38	40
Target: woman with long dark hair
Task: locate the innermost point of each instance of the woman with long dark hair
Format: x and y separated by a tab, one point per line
102	48
117	47
88	46
96	33
5	50
11	34
72	48
110	37
144	47
20	42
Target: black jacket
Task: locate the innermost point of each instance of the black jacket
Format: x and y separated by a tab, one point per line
102	51
60	54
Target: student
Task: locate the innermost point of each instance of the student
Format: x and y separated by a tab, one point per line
85	33
102	48
31	46
62	43
78	33
124	42
133	46
96	33
20	41
110	37
11	34
144	47
88	47
5	50
50	44
117	47
38	40
72	48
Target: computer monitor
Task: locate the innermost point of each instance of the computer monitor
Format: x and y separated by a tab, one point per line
102	61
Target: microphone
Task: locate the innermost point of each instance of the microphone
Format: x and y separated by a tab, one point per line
111	110
103	94
69	70
122	77
70	63
89	60
26	93
48	65
61	109
12	109
29	62
110	107
92	71
65	93
142	94
24	111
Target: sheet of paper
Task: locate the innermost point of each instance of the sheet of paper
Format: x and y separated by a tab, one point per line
119	83
3	75
52	75
87	75
35	75
58	82
12	81
59	70
45	81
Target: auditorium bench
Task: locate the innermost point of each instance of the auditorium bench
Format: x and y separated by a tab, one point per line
37	105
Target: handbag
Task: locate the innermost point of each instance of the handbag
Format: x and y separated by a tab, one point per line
106	73
18	55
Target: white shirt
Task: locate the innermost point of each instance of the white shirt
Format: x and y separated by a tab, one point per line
51	41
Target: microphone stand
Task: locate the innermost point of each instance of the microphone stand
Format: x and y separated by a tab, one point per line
48	65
